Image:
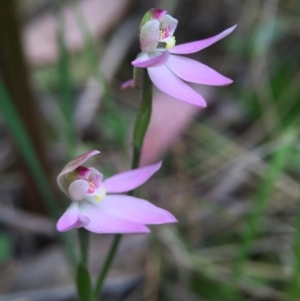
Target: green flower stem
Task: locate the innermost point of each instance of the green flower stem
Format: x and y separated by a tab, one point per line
140	128
83	278
107	264
143	117
84	239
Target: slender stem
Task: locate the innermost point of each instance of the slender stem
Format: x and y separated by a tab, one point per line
136	157
140	128
107	264
83	278
143	117
84	239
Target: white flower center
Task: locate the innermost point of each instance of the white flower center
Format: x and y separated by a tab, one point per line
164	36
99	193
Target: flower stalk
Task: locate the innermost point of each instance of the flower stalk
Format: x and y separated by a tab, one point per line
83	278
140	128
84	239
143	117
107	264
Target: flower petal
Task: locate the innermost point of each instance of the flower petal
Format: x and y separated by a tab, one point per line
158	13
128	84
137	210
149	36
95	177
78	189
72	165
156	59
195	72
165	80
168	26
131	179
103	221
199	45
72	218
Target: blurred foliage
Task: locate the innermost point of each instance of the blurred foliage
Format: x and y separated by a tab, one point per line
232	178
5	248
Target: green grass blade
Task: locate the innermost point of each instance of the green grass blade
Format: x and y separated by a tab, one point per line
112	118
293	289
65	82
17	129
277	165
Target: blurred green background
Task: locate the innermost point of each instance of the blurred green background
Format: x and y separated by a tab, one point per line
230	172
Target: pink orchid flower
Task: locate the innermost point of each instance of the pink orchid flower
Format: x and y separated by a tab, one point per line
92	209
159	29
167	70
